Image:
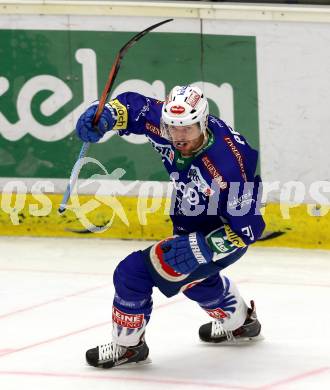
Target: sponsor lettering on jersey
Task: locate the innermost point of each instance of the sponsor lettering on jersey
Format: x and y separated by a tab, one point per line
165	151
193	99
237	136
242	201
214	173
195	176
122	116
153	129
233	237
237	155
217	313
132	321
143	110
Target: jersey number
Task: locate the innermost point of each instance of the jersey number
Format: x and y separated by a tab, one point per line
237	136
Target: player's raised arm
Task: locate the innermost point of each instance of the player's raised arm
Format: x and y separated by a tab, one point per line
87	131
127	113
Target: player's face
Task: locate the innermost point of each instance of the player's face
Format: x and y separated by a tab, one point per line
186	139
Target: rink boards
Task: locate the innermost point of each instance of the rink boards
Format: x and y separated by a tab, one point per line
301	226
262	68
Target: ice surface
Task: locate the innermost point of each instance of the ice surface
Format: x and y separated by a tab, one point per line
56	298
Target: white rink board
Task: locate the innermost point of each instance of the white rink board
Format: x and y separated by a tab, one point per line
56	297
293	63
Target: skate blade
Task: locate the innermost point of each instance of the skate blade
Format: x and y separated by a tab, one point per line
133	364
240	341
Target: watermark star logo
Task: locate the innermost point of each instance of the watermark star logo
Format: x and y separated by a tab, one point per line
103	195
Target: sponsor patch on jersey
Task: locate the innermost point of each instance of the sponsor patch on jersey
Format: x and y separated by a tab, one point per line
177	110
214	173
195	176
233	237
219	245
122	116
193	99
165	151
132	321
163	269
152	128
237	155
243	200
217	313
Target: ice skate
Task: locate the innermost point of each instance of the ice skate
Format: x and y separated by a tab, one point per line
214	332
113	355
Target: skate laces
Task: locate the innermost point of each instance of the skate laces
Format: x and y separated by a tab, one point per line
111	351
218	330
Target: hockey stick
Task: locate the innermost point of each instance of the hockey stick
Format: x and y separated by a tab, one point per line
104	97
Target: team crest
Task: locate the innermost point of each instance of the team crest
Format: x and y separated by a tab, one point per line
196	177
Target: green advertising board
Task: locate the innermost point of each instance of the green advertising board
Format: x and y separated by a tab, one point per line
47	78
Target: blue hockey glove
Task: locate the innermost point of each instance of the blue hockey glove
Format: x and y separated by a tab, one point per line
89	133
186	253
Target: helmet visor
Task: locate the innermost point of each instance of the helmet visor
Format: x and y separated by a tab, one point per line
181	133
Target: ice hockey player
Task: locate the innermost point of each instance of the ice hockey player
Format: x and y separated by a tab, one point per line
215	216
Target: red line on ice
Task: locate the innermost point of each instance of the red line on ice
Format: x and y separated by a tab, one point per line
3	351
11	351
126	378
295	378
24	309
55	272
54	338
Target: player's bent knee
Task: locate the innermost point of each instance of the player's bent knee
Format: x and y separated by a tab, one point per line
131	278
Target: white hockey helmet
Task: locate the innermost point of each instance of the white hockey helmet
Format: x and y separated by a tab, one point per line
184	106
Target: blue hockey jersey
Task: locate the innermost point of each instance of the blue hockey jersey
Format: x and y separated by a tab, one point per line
216	186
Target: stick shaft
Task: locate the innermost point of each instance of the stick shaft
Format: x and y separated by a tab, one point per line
103	99
116	65
73	177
